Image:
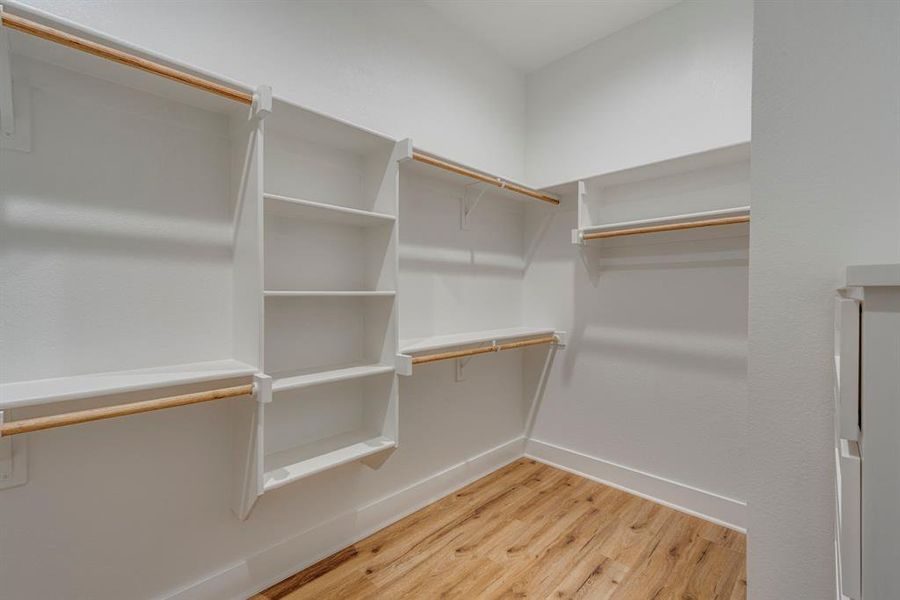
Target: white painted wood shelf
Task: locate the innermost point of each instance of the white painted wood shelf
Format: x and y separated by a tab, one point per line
287	466
328	293
470	338
285	381
75	387
327	213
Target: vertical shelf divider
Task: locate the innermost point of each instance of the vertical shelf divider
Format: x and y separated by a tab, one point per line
248	326
278	448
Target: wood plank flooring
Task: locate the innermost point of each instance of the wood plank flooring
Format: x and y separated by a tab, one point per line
529	530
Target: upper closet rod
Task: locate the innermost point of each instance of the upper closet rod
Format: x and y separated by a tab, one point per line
72	41
120	410
668	227
497	181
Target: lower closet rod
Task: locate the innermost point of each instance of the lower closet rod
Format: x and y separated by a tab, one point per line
427	358
121	410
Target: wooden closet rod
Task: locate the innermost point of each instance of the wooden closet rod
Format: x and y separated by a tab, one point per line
78	43
428	358
500	183
120	410
668	227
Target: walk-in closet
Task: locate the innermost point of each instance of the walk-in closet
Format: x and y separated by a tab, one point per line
449	299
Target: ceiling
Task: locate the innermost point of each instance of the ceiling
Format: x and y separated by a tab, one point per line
529	34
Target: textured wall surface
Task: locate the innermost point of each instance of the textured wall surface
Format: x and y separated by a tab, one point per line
826	193
673	84
395	67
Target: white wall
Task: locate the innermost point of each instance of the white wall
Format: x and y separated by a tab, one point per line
651	391
395	67
160	499
673	84
826	193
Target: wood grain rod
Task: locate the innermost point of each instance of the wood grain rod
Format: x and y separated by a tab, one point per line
121	410
428	358
669	227
79	43
550	339
496	181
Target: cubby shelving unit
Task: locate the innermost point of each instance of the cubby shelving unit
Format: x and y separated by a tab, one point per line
329	324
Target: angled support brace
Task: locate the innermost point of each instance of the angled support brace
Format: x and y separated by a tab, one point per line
460	365
467	204
248	452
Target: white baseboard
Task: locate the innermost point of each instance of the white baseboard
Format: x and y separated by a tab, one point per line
722	510
282	560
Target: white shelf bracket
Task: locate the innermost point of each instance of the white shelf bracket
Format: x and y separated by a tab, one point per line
13	459
469	202
576	237
460	366
403	365
561	338
406	150
262	388
7	115
262	102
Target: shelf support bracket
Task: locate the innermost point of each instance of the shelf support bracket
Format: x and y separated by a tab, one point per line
7	115
403	365
468	203
13	459
262	102
561	338
460	365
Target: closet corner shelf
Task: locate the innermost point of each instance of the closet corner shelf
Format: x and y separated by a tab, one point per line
287	466
292	380
328	293
727	216
328	213
76	387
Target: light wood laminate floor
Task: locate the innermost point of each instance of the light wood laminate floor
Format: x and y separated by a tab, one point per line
529	530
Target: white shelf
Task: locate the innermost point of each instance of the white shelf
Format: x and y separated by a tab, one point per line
442	342
327	293
706	159
290	465
58	389
308	377
886	275
327	213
